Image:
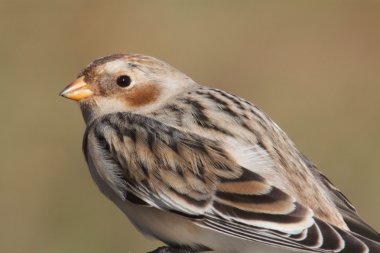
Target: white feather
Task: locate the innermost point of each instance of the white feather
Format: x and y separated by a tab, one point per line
255	159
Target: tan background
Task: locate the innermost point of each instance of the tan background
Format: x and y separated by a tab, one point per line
314	66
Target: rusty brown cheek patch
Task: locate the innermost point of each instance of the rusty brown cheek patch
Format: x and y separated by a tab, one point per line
142	94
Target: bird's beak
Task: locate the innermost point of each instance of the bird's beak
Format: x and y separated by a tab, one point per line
78	90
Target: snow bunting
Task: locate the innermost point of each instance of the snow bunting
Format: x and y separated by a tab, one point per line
203	170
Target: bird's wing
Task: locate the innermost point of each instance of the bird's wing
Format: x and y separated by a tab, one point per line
348	211
193	176
264	213
162	166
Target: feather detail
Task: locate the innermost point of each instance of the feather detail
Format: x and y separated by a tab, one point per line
347	210
270	208
212	165
170	166
193	176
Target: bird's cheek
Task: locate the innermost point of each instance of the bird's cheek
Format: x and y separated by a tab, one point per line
142	94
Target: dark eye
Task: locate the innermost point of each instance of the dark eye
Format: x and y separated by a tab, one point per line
123	81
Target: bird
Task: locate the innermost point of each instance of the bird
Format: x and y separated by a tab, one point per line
203	170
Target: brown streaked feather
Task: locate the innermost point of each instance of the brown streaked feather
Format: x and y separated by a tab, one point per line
320	237
289	172
270	216
295	220
279	207
178	173
249	187
178	158
271	205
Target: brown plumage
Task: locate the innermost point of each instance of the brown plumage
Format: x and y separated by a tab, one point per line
214	167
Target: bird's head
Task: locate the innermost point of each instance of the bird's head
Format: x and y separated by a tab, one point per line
125	82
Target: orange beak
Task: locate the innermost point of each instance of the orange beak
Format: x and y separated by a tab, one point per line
78	90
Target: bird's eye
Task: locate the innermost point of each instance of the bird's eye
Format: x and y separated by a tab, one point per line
123	81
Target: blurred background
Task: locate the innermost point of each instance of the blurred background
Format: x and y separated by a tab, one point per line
314	66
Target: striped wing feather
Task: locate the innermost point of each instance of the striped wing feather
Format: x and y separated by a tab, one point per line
192	176
348	211
166	170
265	213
